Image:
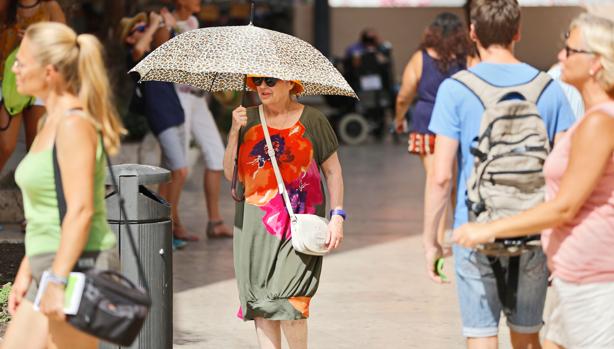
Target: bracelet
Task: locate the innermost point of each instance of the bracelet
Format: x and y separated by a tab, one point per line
57	279
338	212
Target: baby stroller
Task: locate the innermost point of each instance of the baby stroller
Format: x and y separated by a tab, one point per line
370	75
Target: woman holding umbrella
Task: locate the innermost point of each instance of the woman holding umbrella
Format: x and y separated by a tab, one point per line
275	282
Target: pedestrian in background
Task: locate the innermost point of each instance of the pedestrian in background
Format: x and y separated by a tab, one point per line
442	53
456	120
578	218
67	72
28	12
161	106
276	284
200	126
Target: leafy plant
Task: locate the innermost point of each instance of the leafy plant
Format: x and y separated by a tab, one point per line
4	299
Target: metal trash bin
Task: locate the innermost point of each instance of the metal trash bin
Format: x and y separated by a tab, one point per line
149	217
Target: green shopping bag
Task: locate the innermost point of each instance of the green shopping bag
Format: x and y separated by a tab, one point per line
12	100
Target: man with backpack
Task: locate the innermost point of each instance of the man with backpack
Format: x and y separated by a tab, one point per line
500	119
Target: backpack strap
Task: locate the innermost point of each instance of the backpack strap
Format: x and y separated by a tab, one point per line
533	89
507	290
485	92
489	94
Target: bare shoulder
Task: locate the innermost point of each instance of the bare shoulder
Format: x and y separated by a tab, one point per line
76	130
415	62
55	11
596	126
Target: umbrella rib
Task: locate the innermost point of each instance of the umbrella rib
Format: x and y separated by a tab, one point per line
213	81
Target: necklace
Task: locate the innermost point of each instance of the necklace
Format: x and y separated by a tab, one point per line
29	6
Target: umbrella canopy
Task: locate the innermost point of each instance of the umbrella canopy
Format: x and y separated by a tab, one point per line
219	58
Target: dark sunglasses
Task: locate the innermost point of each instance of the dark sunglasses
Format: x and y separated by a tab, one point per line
270	82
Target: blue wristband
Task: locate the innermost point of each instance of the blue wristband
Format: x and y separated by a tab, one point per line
338	213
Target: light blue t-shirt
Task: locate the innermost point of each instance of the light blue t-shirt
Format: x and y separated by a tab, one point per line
458	112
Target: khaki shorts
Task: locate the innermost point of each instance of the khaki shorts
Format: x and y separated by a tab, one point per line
106	260
582	315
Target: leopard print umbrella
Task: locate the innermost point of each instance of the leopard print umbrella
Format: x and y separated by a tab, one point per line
218	58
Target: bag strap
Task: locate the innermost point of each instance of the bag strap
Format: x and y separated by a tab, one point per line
507	290
489	94
59	190
271	152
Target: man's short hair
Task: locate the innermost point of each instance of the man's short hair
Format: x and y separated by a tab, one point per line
496	22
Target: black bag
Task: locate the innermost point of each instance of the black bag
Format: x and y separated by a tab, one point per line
112	307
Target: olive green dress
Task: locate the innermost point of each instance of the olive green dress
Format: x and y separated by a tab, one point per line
275	282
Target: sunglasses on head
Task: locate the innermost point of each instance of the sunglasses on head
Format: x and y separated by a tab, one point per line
270	82
139	28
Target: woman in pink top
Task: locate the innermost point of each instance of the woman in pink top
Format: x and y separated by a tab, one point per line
577	218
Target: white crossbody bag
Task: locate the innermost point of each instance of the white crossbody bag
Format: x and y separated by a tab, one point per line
309	231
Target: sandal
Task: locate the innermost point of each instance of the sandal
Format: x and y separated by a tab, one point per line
213	234
180	233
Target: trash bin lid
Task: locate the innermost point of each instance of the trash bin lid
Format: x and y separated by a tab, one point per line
146	174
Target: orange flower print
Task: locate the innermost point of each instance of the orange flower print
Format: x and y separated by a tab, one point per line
292	150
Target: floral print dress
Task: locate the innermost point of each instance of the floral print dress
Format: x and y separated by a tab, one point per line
274	281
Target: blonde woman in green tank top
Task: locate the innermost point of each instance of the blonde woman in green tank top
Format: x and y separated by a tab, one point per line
67	72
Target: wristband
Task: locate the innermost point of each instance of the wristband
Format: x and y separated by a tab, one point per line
57	279
338	213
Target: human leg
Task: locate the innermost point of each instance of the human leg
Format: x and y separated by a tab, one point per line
482	342
551	345
62	335
268	332
295	332
27	329
31	119
174	158
526	319
478	299
525	340
205	133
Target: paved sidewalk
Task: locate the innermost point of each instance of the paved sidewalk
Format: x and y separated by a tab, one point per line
373	291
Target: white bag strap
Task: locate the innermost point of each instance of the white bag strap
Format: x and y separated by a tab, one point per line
271	152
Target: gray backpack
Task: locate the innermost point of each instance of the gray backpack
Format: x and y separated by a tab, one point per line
509	154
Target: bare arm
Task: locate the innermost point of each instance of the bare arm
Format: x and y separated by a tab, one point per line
334	180
76	143
56	13
163	34
239	119
409	87
144	44
587	162
331	168
438	184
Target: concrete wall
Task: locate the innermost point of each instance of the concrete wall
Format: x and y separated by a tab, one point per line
542	29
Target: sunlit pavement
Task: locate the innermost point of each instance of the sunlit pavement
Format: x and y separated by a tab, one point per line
373	292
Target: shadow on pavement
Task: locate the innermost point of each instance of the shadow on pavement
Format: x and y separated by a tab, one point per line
383	197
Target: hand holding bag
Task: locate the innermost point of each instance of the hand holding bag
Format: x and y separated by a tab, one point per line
309	231
112	307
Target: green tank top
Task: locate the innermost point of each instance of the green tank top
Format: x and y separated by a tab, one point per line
36	179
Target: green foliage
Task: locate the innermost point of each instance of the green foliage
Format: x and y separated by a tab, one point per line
4	299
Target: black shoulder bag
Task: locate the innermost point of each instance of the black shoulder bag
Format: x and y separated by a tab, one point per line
112	307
